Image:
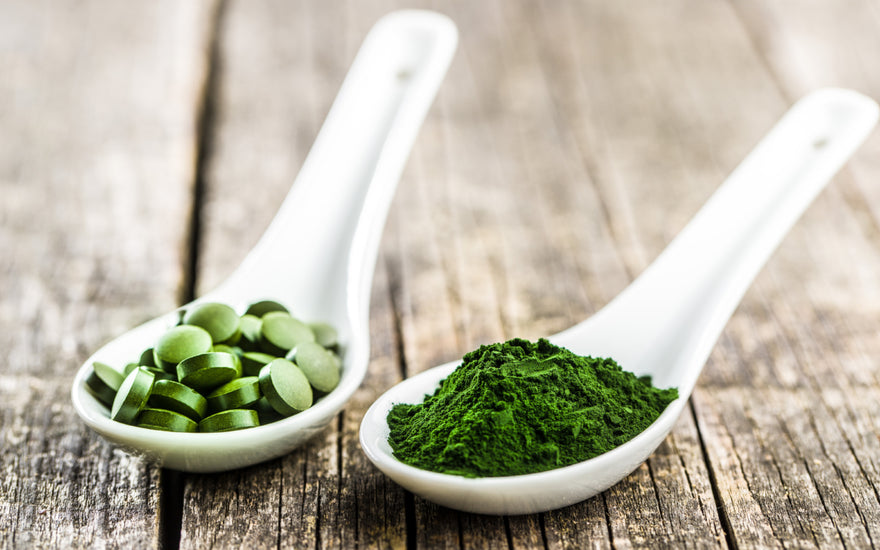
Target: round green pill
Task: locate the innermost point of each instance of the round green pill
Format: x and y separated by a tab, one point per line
279	333
227	349
325	334
206	371
317	364
286	387
241	393
252	362
98	388
234	339
258	309
233	419
160	374
220	320
179	343
147	359
176	397
170	421
108	375
250	332
132	395
265	412
233	351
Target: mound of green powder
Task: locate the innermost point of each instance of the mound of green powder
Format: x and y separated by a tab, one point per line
520	407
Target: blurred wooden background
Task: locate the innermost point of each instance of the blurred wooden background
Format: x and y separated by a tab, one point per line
144	147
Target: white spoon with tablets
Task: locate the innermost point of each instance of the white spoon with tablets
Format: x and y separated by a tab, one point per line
666	322
340	199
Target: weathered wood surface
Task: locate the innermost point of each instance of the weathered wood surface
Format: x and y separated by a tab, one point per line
570	142
98	106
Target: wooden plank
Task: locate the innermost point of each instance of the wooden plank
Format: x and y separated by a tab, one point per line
446	299
583	525
826	322
322	502
804	465
669	500
279	74
569	144
819	46
260	131
98	110
777	482
638	159
303	499
374	507
276	77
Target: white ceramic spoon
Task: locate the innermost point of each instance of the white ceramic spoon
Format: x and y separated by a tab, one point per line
319	253
667	321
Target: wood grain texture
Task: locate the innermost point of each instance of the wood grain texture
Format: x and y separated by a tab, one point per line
468	262
98	112
277	75
805	52
568	145
765	422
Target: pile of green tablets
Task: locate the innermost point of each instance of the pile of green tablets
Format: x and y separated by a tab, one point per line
218	371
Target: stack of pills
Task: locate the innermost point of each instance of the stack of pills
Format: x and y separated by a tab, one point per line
217	371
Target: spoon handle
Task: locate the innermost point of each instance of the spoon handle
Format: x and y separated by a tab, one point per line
676	309
347	182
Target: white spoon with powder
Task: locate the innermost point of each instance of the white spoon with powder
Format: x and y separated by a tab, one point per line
666	322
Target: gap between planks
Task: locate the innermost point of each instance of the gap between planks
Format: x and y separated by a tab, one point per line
171	482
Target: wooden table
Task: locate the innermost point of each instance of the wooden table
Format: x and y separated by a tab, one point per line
144	147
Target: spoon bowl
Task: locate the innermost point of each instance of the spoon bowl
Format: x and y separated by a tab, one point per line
666	322
508	495
318	255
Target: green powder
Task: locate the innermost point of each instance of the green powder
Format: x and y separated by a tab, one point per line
520	407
